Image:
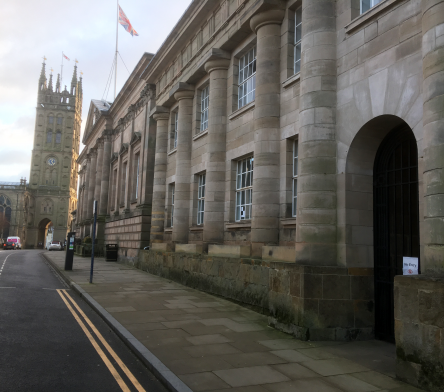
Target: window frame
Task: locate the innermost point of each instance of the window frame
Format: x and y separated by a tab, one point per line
204	108
246	90
294	180
58	138
49	135
201	198
297	41
175	126
244	189
173	190
372	4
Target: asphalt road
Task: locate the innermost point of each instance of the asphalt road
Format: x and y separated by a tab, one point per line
42	345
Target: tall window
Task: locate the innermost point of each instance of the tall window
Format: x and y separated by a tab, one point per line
201	199
297	39
123	178
367	4
51	120
244	188
204	103
175	124
58	137
49	137
172	203
247	78
59	120
295	178
137	176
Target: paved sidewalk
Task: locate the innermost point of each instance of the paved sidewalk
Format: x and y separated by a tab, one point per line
214	345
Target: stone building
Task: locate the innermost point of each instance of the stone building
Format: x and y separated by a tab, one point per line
51	196
12	211
297	161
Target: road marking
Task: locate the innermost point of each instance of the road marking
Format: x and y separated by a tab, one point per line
107	346
4	261
102	355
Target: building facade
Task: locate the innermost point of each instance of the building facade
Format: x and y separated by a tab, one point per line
51	194
12	209
304	136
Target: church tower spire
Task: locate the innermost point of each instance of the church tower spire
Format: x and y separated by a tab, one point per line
42	80
58	84
74	80
50	82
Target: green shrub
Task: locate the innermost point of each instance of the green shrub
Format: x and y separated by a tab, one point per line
87	240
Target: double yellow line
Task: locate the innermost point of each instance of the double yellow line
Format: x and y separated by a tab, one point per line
64	295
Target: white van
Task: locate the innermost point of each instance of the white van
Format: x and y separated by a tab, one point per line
16	240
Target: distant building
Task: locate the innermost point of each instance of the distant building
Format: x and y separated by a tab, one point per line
51	194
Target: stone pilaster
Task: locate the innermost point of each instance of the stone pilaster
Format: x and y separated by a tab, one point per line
213	232
104	184
433	125
86	188
99	170
161	116
182	194
79	201
92	184
265	210
316	232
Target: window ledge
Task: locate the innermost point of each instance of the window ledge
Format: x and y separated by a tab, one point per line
288	221
291	80
168	230
172	151
369	15
239	225
196	228
200	134
241	111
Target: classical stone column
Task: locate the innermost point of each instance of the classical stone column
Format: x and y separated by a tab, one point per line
265	209
213	232
99	169
161	116
104	183
80	198
182	195
92	184
433	123
316	231
85	190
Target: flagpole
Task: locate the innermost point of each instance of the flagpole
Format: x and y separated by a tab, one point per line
117	48
61	75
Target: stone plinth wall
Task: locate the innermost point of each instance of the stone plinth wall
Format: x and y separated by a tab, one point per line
419	331
312	303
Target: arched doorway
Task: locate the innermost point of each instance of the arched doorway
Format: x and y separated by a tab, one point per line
396	219
44	225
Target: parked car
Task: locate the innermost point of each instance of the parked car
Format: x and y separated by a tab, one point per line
16	240
9	245
54	245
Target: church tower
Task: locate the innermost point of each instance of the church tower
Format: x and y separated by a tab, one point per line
53	173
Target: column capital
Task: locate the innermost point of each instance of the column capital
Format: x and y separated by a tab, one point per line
158	111
93	153
184	95
161	116
99	143
274	16
215	64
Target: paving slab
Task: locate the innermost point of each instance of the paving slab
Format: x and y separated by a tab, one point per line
194	341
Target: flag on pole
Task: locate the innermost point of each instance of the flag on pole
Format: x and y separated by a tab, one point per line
65	56
124	21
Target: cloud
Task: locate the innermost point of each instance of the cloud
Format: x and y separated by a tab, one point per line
83	29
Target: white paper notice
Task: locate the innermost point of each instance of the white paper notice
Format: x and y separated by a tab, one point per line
410	265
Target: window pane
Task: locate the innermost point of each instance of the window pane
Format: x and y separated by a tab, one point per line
365	5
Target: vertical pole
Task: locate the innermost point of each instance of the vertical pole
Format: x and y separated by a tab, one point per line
117	49
93	241
61	75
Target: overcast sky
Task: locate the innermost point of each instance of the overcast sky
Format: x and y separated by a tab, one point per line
84	30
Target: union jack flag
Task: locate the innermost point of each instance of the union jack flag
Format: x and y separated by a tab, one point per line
124	21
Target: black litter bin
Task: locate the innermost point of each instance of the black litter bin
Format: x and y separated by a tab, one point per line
111	252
